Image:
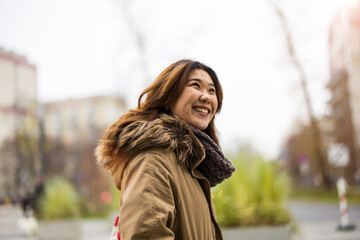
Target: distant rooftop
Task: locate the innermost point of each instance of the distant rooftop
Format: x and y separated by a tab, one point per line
15	58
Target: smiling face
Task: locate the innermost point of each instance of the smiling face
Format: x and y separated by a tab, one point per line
197	102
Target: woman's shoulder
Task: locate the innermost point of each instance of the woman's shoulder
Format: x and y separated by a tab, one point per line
153	164
155	156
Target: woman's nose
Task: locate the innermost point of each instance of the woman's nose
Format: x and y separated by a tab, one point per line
205	97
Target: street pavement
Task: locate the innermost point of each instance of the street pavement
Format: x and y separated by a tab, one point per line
91	229
316	221
8	224
319	221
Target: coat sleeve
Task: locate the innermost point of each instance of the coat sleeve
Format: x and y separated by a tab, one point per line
147	206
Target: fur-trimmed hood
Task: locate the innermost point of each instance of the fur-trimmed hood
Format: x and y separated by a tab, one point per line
166	132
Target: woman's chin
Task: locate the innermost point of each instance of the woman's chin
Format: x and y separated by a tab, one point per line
199	125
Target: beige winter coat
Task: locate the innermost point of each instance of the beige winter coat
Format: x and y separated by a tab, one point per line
163	194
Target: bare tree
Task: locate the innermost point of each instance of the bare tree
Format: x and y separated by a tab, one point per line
19	158
137	33
140	36
318	147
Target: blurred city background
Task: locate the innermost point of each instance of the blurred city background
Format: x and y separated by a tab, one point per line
290	122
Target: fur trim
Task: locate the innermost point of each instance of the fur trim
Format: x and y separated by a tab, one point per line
168	132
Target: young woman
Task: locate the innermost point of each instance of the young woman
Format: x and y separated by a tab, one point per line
164	156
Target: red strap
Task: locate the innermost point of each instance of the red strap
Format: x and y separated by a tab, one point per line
116	221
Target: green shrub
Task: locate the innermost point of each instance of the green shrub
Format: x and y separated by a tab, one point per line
98	207
60	200
94	209
115	204
254	195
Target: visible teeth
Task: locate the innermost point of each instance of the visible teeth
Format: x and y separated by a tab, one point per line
201	110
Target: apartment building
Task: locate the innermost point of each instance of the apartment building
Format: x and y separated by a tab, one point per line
344	85
72	129
19	131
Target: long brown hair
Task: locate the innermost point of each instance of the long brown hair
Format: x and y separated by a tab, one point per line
164	92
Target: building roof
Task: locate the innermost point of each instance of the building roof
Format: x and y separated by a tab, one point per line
15	58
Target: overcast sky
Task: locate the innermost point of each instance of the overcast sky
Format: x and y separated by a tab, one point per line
90	47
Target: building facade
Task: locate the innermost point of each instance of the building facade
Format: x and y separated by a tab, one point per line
71	131
19	131
344	85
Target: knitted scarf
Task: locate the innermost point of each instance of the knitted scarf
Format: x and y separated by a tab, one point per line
215	167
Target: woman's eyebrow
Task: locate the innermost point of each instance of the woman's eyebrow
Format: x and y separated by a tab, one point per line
199	80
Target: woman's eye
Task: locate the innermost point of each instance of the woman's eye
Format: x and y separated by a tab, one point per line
196	84
212	90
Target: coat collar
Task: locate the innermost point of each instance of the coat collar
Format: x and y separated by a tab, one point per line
167	132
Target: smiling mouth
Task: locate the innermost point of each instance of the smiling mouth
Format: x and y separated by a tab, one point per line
202	110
